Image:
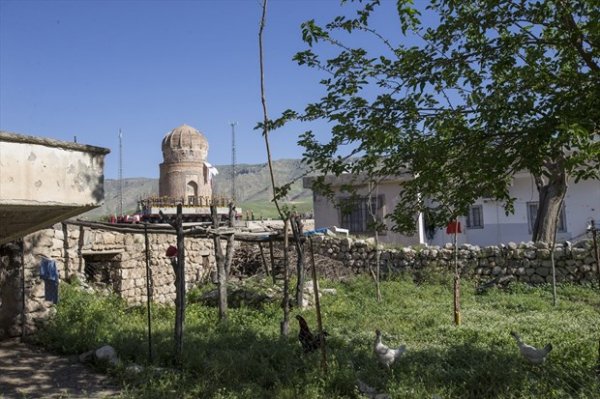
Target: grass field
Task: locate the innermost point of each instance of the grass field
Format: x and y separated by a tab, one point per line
246	358
267	210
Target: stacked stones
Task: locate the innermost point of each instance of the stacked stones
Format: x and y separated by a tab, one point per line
527	262
130	275
124	257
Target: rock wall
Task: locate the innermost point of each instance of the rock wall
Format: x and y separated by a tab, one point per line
117	261
527	262
114	260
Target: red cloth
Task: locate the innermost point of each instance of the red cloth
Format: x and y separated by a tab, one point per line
453	227
171	251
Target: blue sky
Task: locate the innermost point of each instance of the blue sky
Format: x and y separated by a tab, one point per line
89	68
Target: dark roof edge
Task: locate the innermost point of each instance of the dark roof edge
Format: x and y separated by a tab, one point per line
21	138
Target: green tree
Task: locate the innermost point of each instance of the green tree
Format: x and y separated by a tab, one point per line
496	87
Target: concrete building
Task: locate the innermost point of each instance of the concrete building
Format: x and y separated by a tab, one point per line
486	223
184	173
356	214
43	181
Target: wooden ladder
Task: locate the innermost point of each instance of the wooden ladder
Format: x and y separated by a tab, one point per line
277	265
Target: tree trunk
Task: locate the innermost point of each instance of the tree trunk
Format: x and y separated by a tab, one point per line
296	224
285	323
552	190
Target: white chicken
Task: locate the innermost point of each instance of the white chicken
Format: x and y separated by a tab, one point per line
386	355
532	354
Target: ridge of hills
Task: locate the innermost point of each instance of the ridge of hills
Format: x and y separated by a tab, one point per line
252	186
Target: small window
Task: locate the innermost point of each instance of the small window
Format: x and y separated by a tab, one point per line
475	217
360	215
532	210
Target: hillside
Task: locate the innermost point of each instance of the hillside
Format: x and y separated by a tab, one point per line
253	188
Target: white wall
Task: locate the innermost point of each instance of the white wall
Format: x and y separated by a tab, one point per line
582	203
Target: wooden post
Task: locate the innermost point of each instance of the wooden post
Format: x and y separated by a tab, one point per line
457	318
272	254
80	248
230	241
221	272
148	291
285	323
179	287
318	308
264	260
594	230
297	232
65	231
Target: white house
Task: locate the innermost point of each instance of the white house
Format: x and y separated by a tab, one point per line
486	224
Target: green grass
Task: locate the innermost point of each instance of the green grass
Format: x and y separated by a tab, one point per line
246	357
267	210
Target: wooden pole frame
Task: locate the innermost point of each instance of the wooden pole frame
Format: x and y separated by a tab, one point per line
457	315
148	291
179	288
318	308
221	269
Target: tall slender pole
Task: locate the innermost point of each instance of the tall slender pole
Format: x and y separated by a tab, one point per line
594	230
318	307
180	288
148	291
233	161
457	318
220	259
120	173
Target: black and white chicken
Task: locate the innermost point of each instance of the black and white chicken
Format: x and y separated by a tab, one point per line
309	341
386	355
532	354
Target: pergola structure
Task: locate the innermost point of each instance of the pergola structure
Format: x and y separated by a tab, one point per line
217	232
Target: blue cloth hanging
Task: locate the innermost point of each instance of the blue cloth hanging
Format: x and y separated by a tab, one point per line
49	273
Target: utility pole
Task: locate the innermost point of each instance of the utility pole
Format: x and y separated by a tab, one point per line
120	173
233	124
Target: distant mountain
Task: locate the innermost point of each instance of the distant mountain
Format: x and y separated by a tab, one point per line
252	184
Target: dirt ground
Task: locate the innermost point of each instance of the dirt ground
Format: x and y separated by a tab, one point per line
29	372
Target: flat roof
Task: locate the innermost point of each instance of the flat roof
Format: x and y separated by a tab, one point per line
25	139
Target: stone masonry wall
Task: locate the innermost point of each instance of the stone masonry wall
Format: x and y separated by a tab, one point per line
122	254
527	262
118	260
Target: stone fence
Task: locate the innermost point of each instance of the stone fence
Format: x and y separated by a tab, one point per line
527	262
113	260
117	261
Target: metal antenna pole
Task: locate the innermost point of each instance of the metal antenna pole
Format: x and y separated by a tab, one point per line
120	173
233	160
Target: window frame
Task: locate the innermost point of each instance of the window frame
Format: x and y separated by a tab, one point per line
470	217
358	219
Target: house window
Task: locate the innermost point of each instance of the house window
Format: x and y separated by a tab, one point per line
475	217
532	210
359	215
